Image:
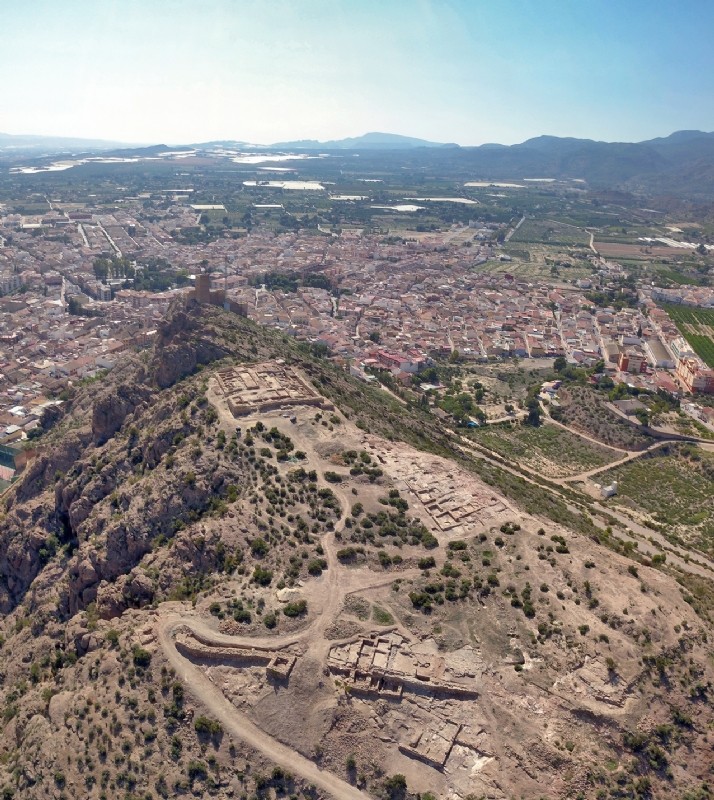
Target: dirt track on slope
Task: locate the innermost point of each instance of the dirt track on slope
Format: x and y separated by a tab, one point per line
240	726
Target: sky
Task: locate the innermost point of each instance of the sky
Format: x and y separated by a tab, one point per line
464	71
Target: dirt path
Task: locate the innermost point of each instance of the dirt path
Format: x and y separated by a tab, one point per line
514	229
239	725
548	420
681	559
326	605
631	456
327	596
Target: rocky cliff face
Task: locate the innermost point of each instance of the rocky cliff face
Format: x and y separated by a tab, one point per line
93	495
114	404
184	342
68	495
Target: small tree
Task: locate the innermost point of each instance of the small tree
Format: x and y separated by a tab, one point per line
396	787
534	412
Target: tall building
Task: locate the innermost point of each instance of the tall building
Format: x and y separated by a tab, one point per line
695	375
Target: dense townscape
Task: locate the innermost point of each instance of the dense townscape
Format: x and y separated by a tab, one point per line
356	400
71	302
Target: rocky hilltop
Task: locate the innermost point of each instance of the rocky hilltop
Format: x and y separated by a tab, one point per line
330	599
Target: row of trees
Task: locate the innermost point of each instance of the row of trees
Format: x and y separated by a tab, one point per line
156	275
113	267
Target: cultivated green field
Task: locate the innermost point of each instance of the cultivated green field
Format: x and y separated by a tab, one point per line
548	449
697	327
550	231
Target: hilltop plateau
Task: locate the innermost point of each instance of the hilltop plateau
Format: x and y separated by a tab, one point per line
233	570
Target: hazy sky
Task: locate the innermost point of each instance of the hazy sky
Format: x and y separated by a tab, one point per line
466	71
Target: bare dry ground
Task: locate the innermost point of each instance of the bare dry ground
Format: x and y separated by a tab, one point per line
636	251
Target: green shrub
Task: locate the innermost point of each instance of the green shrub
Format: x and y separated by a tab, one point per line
349	554
259	547
262	576
316	566
295	609
207	726
141	657
197	770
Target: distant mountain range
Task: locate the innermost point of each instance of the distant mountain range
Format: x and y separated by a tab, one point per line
681	164
53	144
369	141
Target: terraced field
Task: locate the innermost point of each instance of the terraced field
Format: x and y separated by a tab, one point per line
548	449
674	486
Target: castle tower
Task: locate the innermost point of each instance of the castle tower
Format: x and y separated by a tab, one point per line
202	292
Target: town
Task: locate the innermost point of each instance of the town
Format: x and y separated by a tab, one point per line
81	284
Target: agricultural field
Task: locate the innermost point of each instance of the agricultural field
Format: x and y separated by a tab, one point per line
551	231
636	251
626	234
697	327
584	409
674	486
549	450
680	273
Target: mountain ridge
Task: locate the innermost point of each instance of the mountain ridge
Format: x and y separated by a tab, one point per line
681	164
371	140
25	142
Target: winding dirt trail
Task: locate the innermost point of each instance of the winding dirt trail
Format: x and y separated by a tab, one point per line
330	591
239	725
326	602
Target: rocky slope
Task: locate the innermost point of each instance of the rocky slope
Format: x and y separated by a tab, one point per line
597	673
